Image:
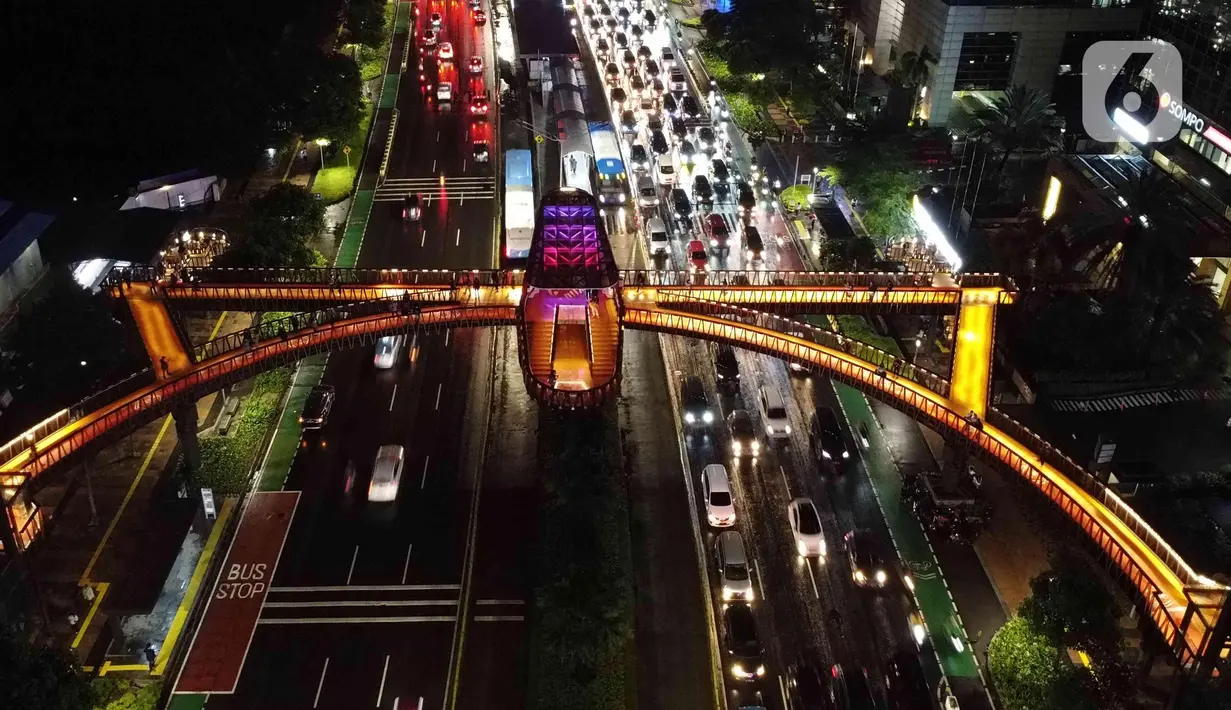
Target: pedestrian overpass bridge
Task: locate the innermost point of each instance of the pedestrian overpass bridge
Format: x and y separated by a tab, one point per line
571	307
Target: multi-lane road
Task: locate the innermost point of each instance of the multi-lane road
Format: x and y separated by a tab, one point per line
425	602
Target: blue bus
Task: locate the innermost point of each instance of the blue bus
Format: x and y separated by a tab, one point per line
519	210
611	181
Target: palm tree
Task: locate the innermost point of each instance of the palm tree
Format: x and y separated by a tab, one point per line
912	71
1020	119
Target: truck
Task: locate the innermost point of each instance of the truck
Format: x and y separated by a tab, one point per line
519	210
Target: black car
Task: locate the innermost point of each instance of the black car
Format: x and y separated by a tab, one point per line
688	152
690	107
644	53
316	408
639	157
702	191
410	208
637	33
648	18
747	198
744	442
679	200
679	128
601	46
621	39
825	437
629	59
807	688
726	367
623	14
651	67
754	247
707	139
868	567
745	654
718	168
696	407
612	24
618	96
669	105
907	687
658	143
596	26
849	689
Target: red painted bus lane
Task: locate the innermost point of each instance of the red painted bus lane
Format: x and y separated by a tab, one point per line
221	642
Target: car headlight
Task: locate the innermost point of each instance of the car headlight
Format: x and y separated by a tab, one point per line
787	429
881	576
756	446
846	454
750	596
825	454
708	417
602	198
919	633
738	669
713	242
760	671
860	576
735	447
689	418
727	593
721	376
802	548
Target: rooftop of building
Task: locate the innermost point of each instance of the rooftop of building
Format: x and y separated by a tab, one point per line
570	248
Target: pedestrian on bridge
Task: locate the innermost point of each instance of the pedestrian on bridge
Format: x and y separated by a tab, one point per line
151	656
166	366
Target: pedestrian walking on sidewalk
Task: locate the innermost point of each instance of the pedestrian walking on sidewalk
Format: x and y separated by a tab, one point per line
166	366
150	655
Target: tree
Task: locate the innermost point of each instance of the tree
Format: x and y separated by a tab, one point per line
67	344
1029	673
365	22
1020	119
281	223
322	95
912	72
1071	608
41	677
878	176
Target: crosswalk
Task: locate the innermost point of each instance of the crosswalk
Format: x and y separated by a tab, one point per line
477	187
1141	399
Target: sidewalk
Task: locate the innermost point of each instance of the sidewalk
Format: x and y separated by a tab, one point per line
99	538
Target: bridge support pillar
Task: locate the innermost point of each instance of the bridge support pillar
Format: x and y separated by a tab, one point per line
190	447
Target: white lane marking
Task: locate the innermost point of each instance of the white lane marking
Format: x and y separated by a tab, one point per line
811	576
420	702
494	602
447	337
458	241
439	385
463	165
461	200
381	693
782	689
358	620
422	238
369	588
395	704
433	165
760	580
352	564
423	483
394	397
406	565
325	603
437	136
786	484
499	618
321	684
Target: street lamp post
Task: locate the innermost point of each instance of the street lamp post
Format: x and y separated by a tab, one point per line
321	143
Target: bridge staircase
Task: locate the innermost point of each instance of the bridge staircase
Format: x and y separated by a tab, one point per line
604	340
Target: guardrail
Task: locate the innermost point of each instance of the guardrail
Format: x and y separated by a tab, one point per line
821	279
307	276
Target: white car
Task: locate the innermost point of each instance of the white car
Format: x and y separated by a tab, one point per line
806	527
773	411
666	171
716	490
386	474
387	349
733	568
436	20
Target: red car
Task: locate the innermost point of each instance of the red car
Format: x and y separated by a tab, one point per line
698	256
716	228
480	17
444	52
478	105
476	65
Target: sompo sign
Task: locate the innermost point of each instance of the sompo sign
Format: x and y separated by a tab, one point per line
1187	117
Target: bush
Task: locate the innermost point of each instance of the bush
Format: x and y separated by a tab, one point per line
856	328
120	694
227	460
1029	673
